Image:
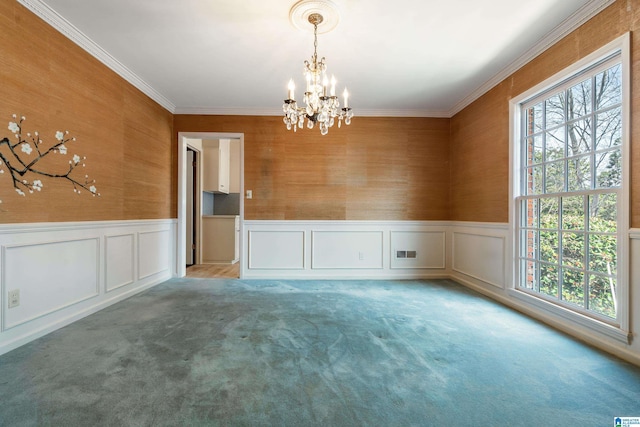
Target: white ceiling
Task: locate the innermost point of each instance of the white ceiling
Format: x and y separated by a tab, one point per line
401	58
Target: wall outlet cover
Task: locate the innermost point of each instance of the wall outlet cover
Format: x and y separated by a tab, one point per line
14	298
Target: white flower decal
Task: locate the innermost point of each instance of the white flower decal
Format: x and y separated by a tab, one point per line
24	169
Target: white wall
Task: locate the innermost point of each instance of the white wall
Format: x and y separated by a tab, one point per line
65	271
343	249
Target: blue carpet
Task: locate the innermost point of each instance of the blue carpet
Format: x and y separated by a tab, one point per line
200	352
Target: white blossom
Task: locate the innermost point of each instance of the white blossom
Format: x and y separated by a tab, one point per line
76	159
19	191
59	135
13	127
37	185
92	189
62	149
26	148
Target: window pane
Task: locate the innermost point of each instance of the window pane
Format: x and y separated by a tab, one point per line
529	274
554	148
549	246
579	174
608	129
549	279
573	213
555	110
579	133
534	150
554	177
601	295
602	253
608	169
529	210
608	87
533	179
573	286
579	100
603	213
549	212
573	250
530	242
534	119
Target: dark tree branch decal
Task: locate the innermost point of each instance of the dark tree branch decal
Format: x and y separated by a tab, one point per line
22	156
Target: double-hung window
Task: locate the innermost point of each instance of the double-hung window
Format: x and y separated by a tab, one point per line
570	201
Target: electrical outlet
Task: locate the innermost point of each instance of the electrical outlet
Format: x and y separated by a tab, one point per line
361	256
14	298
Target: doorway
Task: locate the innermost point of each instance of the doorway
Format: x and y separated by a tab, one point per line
186	140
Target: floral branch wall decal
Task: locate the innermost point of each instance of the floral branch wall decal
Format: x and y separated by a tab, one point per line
22	156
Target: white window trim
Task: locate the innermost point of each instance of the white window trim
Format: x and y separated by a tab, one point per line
619	331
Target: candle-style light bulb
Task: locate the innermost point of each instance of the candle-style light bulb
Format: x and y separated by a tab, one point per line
325	83
292	87
333	85
346	98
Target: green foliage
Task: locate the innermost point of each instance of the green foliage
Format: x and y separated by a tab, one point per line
596	249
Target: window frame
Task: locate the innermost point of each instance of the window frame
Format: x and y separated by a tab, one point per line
617	328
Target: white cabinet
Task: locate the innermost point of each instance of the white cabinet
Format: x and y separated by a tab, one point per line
216	166
220	239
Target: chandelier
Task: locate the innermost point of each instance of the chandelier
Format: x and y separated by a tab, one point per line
322	106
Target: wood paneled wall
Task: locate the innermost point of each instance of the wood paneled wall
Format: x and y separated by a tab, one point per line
125	136
377	168
480	132
374	169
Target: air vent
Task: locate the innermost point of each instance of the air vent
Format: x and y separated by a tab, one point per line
401	254
411	254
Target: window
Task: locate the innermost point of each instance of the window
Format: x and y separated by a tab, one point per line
569	200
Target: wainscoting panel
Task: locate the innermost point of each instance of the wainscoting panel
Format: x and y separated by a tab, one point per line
149	241
342	249
119	262
346	249
418	249
480	256
65	271
276	249
49	276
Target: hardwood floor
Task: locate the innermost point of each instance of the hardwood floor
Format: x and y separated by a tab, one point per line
217	271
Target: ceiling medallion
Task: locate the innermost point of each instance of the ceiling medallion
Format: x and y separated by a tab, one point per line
322	104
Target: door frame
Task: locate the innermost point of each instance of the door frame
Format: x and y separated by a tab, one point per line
181	238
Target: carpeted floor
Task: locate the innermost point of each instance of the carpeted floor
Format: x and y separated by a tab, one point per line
199	352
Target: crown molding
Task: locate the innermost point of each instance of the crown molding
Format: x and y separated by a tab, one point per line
58	22
278	112
574	21
54	19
